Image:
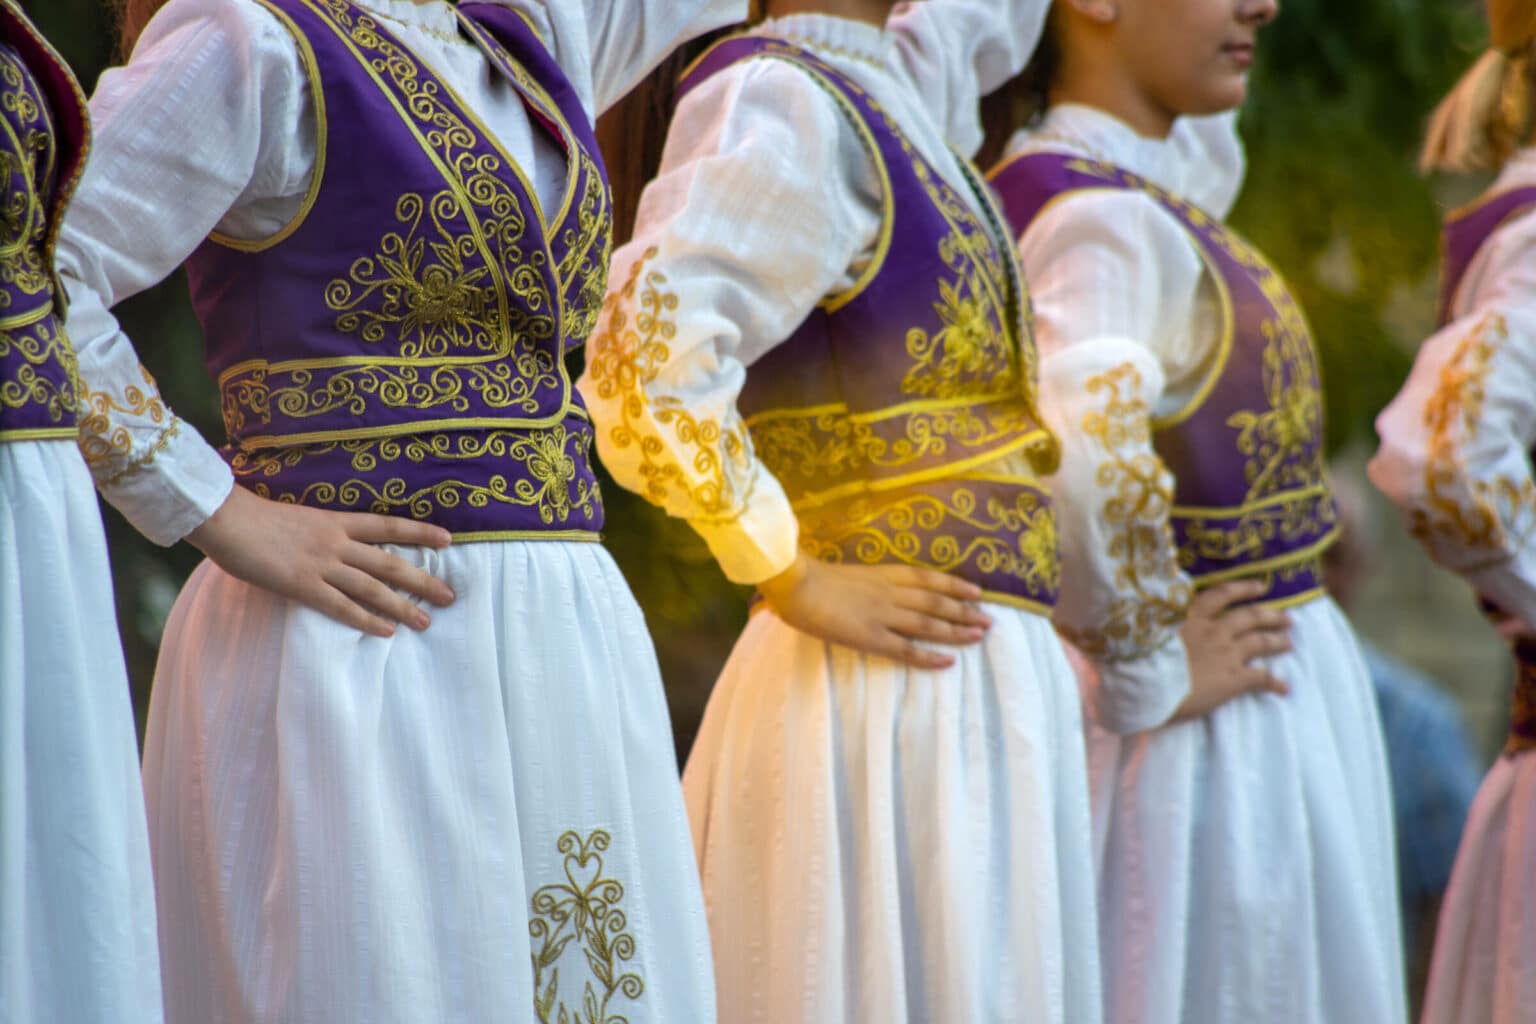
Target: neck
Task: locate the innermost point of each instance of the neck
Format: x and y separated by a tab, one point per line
1107	88
872	12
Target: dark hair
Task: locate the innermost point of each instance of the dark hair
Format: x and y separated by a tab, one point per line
633	132
1023	100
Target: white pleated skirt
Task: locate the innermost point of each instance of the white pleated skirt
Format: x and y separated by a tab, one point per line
477	823
1484	969
77	912
883	845
1247	872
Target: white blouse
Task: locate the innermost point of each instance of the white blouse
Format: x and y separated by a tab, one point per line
1456	441
211	126
767	201
1125	314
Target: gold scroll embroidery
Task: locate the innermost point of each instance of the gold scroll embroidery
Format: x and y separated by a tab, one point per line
1486	517
1137	511
624	358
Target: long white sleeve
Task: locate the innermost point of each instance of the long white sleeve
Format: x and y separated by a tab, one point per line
764	201
179	139
1114	282
957	51
1456	442
608	46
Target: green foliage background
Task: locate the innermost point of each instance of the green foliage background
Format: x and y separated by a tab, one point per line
1339	98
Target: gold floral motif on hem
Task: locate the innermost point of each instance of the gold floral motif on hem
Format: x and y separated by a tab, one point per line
1142	544
583	910
624	358
1487	519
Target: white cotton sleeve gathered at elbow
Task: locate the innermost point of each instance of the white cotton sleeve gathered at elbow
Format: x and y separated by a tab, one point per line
764	201
1456	441
207	112
1114	282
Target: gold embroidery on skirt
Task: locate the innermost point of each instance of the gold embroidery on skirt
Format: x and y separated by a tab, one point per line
584	909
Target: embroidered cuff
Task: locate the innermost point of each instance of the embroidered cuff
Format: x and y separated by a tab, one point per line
172	488
760	543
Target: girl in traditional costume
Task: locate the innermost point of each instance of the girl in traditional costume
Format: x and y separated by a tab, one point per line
1455	455
1244	856
77	910
816	351
395	222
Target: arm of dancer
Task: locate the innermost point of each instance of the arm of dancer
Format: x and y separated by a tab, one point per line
201	130
1115	283
1456	442
608	46
957	51
766	202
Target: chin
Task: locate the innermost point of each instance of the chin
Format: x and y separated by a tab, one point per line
1228	95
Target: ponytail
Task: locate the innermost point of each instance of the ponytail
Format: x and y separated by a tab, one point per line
1486	117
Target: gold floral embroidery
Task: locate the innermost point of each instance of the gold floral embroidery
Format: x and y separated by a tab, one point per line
624	358
583	910
554	487
429	307
998	528
108	445
588	246
1142	545
1484	517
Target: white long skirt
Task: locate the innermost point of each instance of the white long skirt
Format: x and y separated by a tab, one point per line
1484	969
884	845
477	823
77	912
1246	860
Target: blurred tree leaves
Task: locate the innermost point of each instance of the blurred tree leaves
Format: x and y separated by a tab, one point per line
1340	96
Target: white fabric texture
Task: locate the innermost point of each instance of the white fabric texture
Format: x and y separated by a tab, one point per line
1455	456
77	910
881	844
878	844
1245	861
1483	971
351	830
1456	441
211	127
766	202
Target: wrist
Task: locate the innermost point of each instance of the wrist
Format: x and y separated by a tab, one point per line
777	589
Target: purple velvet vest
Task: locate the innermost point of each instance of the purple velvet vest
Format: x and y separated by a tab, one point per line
1251	498
1463	235
42	154
887	413
400	347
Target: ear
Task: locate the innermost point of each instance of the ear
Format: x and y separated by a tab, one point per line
1103	12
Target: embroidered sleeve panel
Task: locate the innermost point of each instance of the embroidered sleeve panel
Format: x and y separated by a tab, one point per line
1477	506
1136	596
696	466
124	424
